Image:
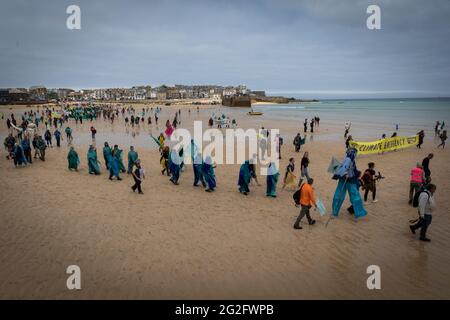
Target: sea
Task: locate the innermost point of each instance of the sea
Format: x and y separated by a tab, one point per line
369	117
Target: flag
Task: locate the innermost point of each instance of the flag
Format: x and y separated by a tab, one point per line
156	140
321	207
334	165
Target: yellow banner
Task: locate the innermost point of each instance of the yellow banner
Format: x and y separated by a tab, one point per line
385	145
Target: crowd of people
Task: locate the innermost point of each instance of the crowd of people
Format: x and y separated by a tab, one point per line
349	179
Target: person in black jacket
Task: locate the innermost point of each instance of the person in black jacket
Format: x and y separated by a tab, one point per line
426	167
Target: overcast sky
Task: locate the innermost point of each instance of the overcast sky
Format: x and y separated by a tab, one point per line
316	48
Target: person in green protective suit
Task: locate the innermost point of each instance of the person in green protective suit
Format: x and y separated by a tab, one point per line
106	154
93	162
244	178
272	179
73	159
132	157
118	154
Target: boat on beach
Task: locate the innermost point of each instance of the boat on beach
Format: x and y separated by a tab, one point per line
255	113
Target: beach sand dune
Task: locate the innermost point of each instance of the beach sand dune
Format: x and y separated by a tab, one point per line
180	242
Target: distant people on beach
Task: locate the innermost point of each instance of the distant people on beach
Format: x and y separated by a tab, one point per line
443	137
69	135
93	133
421	135
48	138
279	143
297	142
347	128
57	135
437	129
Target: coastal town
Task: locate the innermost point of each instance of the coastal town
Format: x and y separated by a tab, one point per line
41	94
239	95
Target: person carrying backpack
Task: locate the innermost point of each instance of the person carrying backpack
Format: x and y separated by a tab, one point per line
306	199
425	203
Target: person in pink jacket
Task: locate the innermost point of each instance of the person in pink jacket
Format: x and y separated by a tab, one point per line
416	182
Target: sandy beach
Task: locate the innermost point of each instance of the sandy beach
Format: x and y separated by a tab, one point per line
180	242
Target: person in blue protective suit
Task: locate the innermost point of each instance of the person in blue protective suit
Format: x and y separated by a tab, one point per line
198	174
272	180
208	174
244	178
348	182
93	163
174	166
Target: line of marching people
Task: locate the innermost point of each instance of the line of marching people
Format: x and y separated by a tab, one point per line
113	158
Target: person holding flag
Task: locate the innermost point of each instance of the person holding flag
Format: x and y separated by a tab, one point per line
347	175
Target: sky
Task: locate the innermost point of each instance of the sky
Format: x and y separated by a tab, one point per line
315	48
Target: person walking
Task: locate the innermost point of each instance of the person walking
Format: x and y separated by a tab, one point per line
426	167
426	207
443	137
306	201
421	135
138	176
347	128
369	179
289	177
48	138
57	135
304	167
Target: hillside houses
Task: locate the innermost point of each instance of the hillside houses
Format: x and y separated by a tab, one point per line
136	93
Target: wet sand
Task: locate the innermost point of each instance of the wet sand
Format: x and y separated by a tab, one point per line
180	242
